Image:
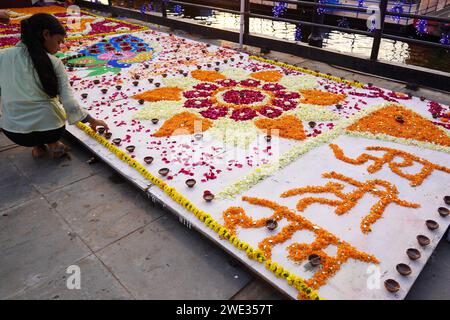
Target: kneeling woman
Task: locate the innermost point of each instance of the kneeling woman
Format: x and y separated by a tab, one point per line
34	85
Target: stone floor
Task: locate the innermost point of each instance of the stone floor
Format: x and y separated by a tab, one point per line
54	214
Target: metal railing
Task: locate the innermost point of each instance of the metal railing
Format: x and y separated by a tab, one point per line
423	76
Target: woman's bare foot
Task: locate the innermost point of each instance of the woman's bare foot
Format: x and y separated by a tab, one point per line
39	151
58	149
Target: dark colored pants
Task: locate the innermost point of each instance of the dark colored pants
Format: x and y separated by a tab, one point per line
35	138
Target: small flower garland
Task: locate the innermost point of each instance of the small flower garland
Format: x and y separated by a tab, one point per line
305	291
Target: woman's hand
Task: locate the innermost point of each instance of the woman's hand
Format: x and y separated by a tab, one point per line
94	123
4	17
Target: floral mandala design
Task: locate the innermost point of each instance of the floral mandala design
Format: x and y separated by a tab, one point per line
215	96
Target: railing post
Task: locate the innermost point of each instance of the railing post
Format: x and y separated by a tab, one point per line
379	31
164	8
246	17
315	38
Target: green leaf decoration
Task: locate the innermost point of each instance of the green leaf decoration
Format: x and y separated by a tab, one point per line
98	71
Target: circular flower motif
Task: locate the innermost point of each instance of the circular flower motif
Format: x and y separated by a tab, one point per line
243	114
206	86
273	87
287	95
198	103
196	94
270	112
214	113
227	83
250	83
240	97
284	104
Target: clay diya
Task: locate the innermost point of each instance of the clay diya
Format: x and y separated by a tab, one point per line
155	121
447	200
338	106
108	135
141	101
150	80
135	83
208	196
413	253
422	98
96	81
157	84
403	269
311	124
117	141
443	212
314	260
268	138
190	182
163	171
84	95
101	130
148	160
391	285
423	240
271	224
104	91
432	225
118	87
130	148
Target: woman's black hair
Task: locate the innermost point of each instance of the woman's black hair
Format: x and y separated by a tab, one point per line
32	36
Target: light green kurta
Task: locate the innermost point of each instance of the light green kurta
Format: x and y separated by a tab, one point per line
25	106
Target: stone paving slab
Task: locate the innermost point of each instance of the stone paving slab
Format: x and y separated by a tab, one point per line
14	186
101	209
165	260
35	244
47	174
96	283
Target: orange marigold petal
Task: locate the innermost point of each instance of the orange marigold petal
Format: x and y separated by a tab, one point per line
206	75
183	123
269	76
160	94
289	127
400	122
322	98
